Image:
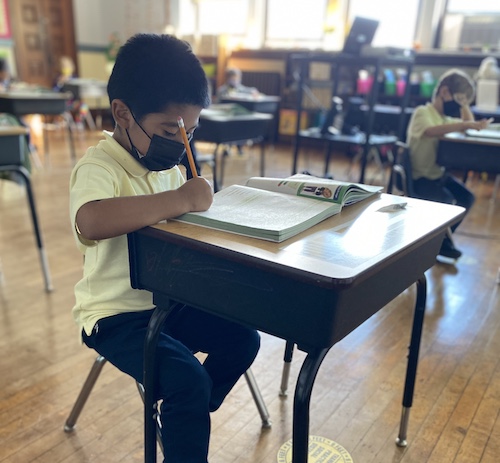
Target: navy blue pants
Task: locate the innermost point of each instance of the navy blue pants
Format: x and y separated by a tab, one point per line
188	389
446	189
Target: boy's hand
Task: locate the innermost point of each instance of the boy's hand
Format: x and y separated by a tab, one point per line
197	193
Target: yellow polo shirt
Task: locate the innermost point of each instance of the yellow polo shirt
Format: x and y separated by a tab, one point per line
109	171
423	150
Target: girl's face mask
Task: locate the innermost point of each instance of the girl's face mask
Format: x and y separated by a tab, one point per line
162	153
451	108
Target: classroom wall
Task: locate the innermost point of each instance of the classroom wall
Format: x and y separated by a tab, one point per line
96	20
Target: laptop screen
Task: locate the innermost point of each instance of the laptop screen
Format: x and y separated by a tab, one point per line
361	33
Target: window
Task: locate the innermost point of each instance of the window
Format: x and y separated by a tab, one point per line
476	6
470	24
213	17
223	16
297	23
395	29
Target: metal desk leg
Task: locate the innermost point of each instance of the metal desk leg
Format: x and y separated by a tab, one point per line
67	116
156	322
287	363
296	150
45	139
411	370
327	157
214	173
364	161
262	157
305	382
34	218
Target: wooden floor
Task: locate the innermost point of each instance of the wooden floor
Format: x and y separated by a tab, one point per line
357	396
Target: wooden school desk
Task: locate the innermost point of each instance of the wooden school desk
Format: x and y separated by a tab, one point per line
229	123
12	149
47	103
260	103
269	104
311	290
464	152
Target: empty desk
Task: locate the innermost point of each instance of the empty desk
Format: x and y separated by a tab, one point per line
230	123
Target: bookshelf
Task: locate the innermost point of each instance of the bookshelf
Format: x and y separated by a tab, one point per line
335	75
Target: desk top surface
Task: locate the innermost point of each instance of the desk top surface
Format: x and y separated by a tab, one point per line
15	130
338	249
34	95
356	139
459	137
252	98
231	112
81	81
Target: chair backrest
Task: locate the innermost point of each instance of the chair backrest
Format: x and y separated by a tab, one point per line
401	174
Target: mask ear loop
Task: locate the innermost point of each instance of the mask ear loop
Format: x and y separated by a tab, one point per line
132	146
137	122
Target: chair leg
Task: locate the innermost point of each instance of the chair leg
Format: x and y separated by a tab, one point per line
87	387
142	392
495	188
258	399
95	371
449	235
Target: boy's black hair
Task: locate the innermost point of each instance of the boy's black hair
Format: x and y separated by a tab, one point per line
153	71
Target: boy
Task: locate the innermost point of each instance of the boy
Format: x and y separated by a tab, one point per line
131	180
447	112
233	85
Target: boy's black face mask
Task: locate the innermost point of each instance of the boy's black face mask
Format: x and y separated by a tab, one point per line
451	108
162	153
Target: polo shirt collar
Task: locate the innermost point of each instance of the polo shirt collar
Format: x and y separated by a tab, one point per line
122	156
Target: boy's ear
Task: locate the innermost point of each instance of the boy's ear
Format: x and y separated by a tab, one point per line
121	113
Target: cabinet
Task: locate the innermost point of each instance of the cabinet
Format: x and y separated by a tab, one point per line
42	32
338	78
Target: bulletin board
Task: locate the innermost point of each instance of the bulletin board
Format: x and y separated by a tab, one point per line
4	20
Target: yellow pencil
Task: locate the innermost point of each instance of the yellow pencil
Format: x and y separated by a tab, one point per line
192	165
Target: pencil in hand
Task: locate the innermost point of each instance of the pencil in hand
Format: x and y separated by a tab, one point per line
192	165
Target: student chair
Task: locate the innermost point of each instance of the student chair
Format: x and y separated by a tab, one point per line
401	176
401	172
96	369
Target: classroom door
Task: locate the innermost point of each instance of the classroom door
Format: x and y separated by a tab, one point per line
43	31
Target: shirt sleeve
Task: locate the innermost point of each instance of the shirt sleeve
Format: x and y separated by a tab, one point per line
420	123
89	182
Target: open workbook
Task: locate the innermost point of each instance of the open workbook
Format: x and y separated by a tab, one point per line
276	209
